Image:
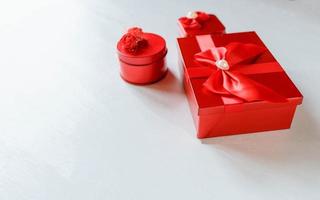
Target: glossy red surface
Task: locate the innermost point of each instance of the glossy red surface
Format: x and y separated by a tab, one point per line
148	65
213	118
154	51
143	74
212	26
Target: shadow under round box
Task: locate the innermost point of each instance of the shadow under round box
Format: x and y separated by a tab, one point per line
213	118
146	66
212	26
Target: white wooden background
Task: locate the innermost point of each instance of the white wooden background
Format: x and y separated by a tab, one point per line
71	129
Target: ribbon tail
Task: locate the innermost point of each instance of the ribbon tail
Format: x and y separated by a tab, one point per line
249	90
215	83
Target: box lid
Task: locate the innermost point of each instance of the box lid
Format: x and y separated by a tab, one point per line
209	102
154	50
212	26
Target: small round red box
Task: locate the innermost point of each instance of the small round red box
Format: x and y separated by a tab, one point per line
146	66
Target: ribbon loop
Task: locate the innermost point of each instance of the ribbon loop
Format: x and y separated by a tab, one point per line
194	20
227	69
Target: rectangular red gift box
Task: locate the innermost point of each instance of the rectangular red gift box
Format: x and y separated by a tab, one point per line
213	118
212	26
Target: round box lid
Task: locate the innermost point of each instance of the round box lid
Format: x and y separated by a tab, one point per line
155	50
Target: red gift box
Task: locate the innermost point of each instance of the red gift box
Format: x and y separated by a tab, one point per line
217	114
200	24
143	65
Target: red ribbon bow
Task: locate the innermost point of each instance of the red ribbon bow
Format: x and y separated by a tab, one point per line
194	20
228	67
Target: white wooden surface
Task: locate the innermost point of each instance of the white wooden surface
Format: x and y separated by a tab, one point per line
71	129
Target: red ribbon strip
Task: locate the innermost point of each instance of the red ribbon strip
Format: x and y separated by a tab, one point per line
233	82
196	22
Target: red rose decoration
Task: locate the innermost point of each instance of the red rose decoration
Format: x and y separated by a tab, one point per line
133	40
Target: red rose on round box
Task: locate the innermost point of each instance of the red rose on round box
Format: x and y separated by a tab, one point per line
142	56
